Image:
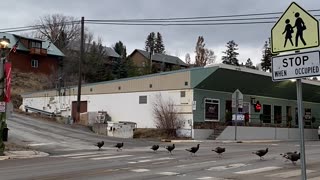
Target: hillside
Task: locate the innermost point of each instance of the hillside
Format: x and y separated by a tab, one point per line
26	82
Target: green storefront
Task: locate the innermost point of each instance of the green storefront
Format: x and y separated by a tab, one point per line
213	88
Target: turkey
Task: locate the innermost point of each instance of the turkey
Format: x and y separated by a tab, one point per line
155	148
286	155
99	144
219	150
294	157
170	148
193	150
261	152
119	146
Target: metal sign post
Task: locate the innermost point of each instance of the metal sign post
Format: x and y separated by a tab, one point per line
237	102
236	123
295	30
301	128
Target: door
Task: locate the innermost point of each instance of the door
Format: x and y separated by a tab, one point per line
266	116
277	114
83	108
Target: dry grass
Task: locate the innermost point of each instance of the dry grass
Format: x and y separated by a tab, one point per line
154	134
25	82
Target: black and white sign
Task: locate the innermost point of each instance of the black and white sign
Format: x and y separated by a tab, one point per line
296	65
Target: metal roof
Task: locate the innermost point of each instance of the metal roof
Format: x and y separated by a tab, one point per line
52	50
162	57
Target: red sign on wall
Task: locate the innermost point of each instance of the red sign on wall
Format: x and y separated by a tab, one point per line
7	73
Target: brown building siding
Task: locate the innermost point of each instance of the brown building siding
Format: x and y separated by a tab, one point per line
22	62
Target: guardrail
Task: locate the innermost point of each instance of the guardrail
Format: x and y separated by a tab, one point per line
51	114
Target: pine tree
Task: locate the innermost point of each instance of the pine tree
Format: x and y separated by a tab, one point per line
231	54
121	49
159	46
150	42
266	57
249	64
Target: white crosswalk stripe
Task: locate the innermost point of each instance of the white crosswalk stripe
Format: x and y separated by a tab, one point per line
149	160
289	174
314	178
139	170
230	166
258	170
168	173
110	157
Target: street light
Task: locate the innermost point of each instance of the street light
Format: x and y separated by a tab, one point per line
4	42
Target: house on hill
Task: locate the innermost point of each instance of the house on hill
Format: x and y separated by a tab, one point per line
33	55
160	62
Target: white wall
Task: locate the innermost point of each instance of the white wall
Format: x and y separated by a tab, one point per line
262	133
120	106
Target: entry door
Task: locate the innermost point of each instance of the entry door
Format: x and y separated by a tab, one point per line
83	108
266	113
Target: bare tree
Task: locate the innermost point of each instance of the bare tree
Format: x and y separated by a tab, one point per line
204	56
166	115
59	29
188	59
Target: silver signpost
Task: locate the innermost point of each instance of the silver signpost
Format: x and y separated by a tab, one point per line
285	38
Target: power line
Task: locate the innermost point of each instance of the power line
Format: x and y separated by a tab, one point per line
204	17
182	24
175	21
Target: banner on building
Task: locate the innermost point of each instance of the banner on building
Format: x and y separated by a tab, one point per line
7	90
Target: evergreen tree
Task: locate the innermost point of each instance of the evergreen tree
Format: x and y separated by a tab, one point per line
119	65
150	42
266	57
231	54
249	64
121	49
159	46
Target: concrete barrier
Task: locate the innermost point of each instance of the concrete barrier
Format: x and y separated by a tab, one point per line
261	133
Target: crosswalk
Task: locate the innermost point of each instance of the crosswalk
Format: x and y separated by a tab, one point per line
232	169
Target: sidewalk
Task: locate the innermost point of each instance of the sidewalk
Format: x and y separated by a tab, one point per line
224	141
22	154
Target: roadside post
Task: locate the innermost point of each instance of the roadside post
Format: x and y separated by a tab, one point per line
237	102
294	31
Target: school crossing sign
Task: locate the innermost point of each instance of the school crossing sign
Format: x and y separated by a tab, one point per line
296	29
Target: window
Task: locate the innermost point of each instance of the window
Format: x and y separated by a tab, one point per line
119	87
186	83
277	114
211	109
150	85
142	99
34	63
35	44
182	93
266	116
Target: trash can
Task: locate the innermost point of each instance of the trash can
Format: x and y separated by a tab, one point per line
5	134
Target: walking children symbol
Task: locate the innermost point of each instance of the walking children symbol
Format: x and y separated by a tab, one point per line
300	27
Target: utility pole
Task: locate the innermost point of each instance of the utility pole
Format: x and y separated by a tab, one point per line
4	42
80	72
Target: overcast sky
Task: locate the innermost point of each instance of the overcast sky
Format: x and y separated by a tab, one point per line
178	40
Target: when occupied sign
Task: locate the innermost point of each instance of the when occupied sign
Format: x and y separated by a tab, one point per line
296	65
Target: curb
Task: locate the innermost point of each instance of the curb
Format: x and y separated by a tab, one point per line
23	154
220	141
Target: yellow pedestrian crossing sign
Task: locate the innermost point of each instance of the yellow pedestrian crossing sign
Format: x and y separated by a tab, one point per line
296	29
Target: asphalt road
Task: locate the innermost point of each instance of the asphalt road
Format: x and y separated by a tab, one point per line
78	159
